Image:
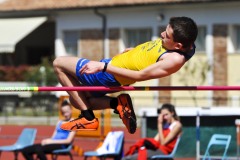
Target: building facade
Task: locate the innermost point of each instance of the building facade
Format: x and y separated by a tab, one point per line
102	29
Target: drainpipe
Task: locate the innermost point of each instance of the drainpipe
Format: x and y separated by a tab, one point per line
105	54
105	33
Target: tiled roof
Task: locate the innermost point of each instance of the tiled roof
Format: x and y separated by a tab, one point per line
24	5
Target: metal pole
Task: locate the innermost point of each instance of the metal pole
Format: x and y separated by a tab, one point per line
198	136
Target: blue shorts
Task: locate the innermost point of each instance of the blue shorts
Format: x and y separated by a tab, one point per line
96	79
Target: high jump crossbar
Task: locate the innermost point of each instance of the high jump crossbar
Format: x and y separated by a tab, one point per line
122	88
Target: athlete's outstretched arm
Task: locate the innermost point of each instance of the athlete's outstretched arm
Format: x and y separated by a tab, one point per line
164	67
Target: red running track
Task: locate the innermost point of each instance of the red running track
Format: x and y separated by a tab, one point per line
9	134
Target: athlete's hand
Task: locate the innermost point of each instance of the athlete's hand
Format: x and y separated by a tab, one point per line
92	67
46	141
160	118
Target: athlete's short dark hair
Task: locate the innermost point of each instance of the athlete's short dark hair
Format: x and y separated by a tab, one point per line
185	30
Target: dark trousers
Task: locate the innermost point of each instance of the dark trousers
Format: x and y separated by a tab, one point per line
39	150
150	153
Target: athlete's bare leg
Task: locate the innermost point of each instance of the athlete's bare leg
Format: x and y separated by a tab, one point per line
65	68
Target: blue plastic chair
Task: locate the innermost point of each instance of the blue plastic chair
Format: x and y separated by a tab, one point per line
219	140
65	151
117	155
169	156
26	138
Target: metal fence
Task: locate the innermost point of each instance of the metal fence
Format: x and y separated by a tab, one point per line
42	108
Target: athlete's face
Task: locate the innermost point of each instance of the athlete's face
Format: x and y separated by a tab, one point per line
167	39
66	112
167	115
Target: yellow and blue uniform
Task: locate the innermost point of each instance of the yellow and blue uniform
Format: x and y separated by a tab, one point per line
136	59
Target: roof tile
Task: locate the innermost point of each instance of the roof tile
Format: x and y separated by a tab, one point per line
21	5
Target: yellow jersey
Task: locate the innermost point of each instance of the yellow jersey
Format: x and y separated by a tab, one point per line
138	58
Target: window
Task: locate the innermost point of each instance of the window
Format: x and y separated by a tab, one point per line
71	42
233	45
137	36
201	39
237	38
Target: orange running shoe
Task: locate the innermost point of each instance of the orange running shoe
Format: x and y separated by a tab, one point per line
80	124
126	112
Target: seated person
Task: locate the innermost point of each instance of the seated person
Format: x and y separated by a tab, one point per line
169	128
59	140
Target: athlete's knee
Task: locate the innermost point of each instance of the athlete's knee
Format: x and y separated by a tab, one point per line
57	63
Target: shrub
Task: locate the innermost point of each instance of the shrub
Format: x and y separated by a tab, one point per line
11	73
40	75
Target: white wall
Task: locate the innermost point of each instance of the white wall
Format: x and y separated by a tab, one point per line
138	17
